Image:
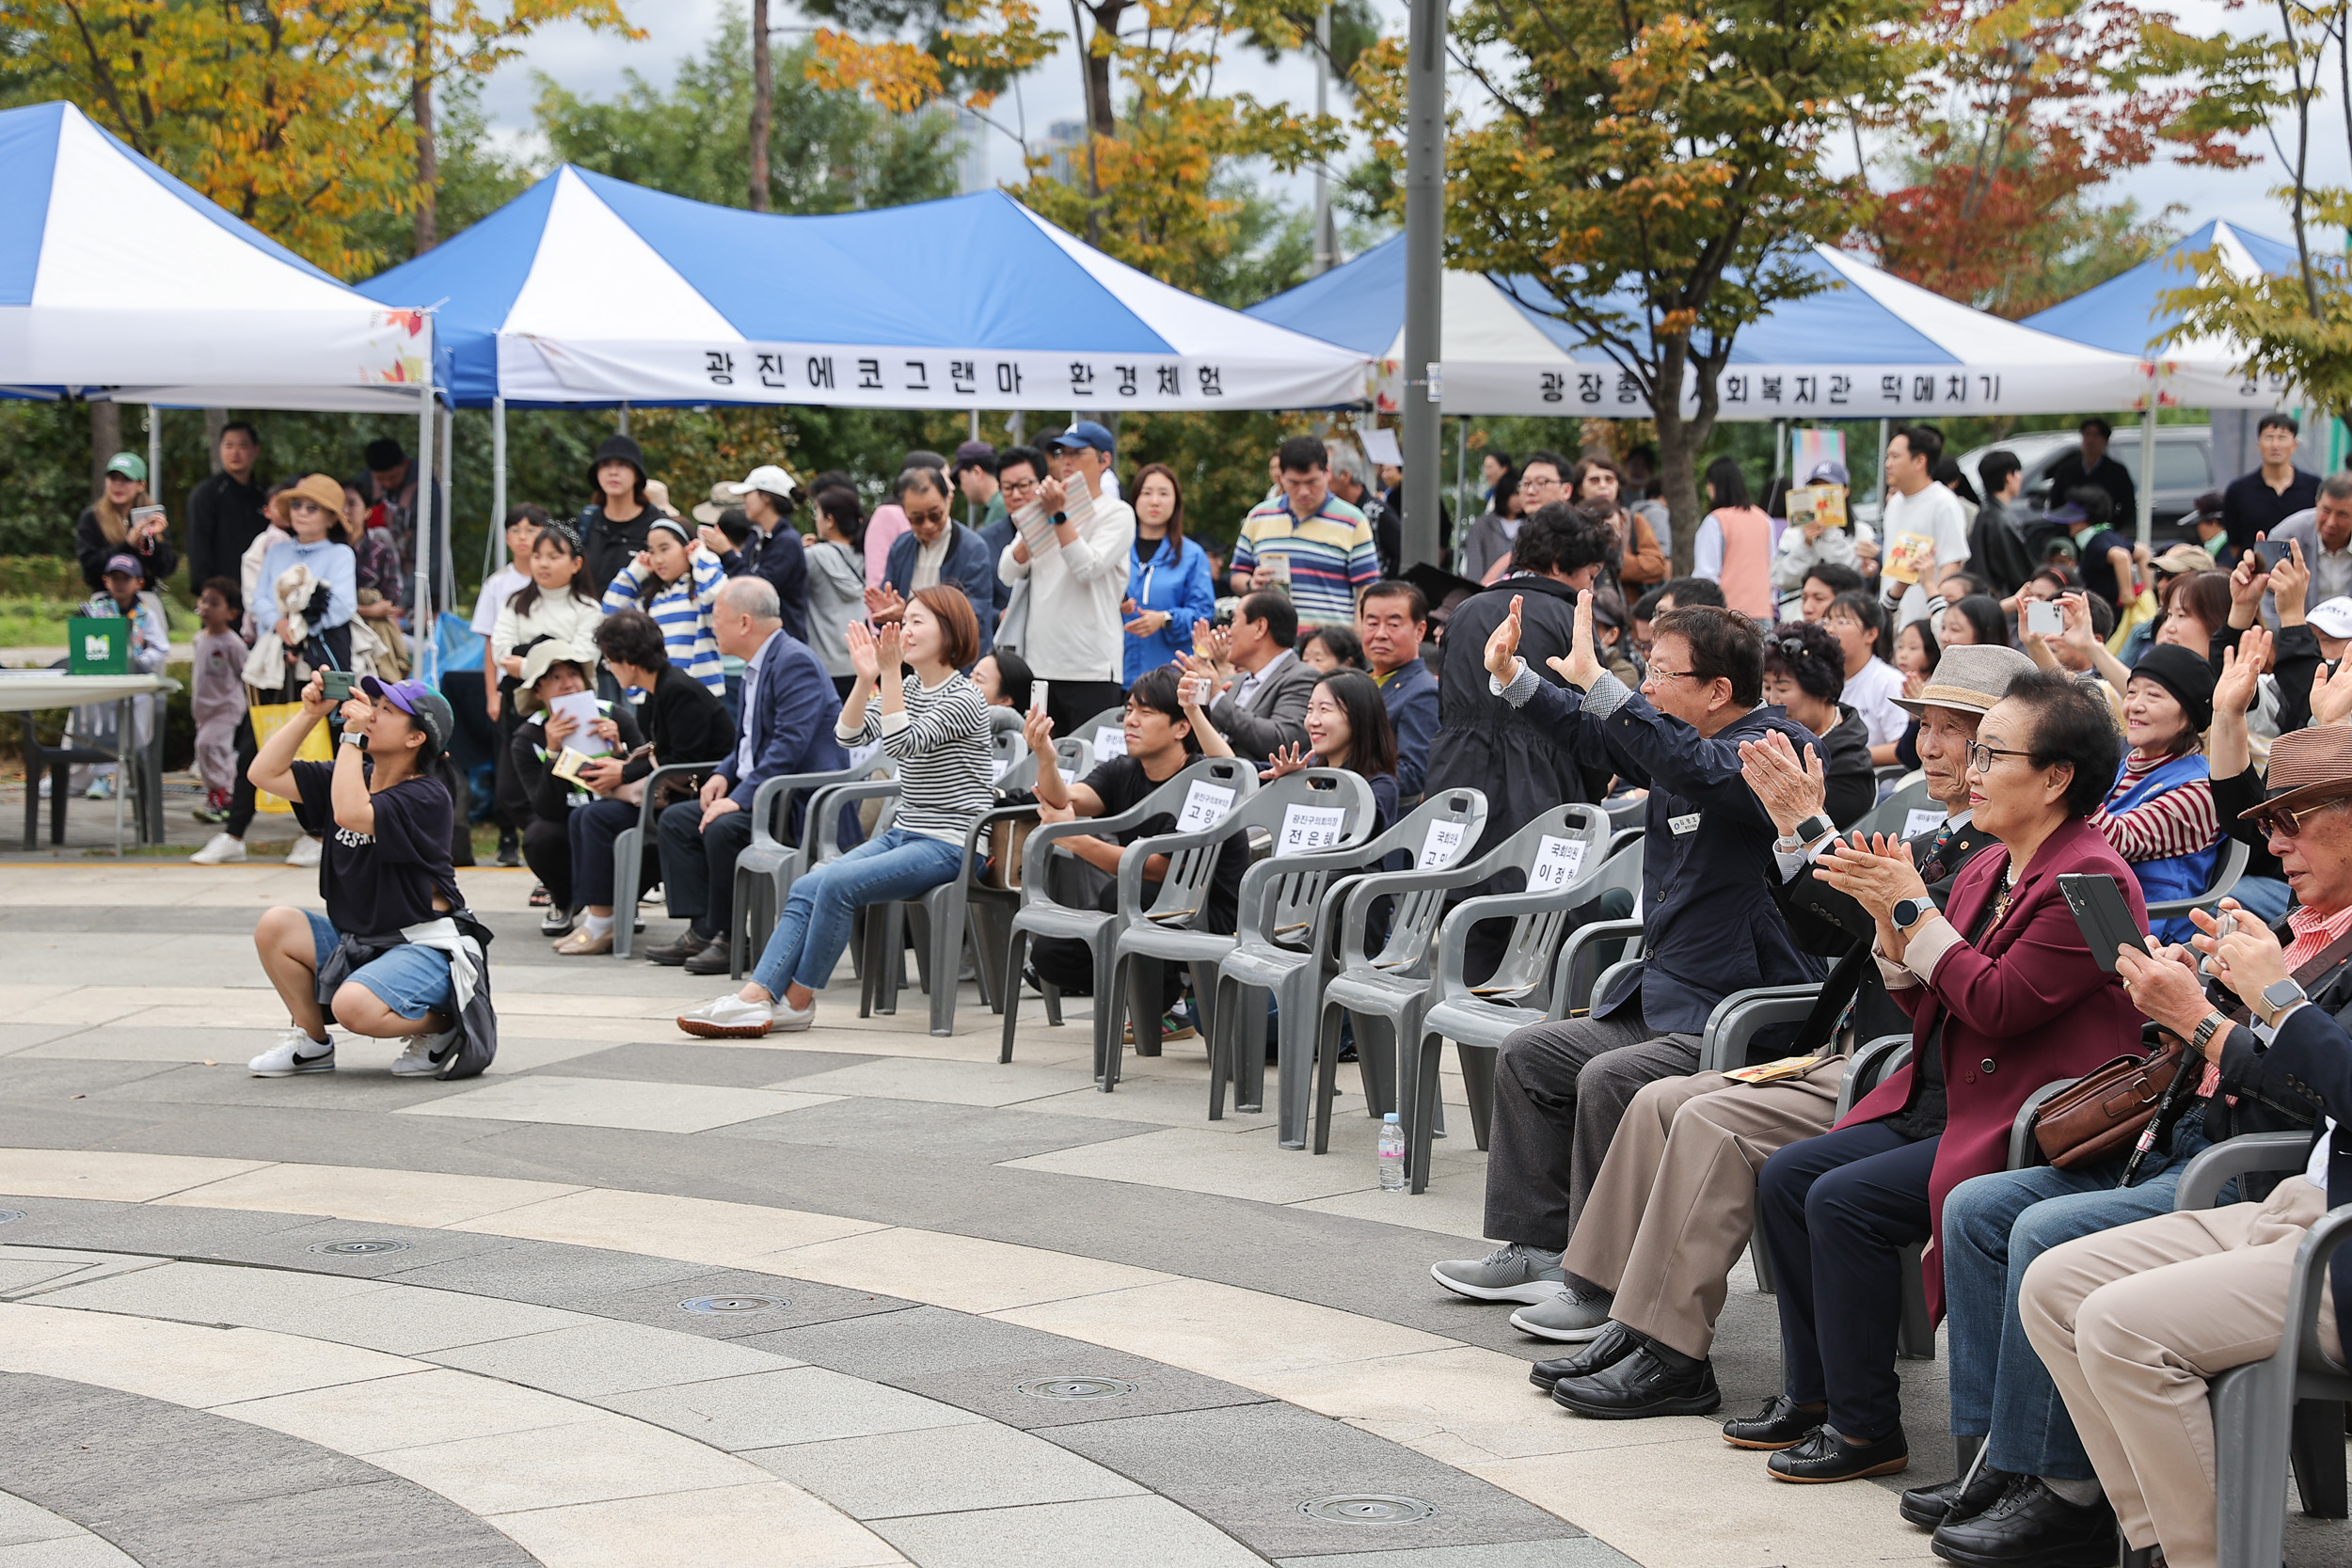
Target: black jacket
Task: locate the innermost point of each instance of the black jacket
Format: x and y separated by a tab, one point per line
610	546
530	785
224	514
782	560
2069	474
91	548
1482	740
1996	550
685	722
1710	923
1852	778
1829	923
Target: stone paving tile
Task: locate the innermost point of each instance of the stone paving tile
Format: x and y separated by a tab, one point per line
743	1066
1248	1469
650	1107
801	1404
940	1471
1116	1532
594	1358
592	1460
74	1551
931	1130
799	1302
769	1523
1579	1551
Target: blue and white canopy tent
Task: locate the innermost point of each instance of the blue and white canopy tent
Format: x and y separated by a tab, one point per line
2122	315
588	290
119	283
1868	346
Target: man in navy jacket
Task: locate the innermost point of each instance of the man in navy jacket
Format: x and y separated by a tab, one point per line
1711	928
789	709
967	564
1391	618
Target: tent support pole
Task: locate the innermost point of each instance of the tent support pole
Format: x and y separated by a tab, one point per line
2146	519
445	558
1878	490
972	423
427	626
1424	274
498	487
155	456
624	418
1461	474
1780	446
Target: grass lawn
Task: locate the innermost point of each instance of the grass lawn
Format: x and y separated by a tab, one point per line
26	623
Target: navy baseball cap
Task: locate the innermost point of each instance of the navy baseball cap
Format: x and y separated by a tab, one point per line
425	706
1827	471
1085	433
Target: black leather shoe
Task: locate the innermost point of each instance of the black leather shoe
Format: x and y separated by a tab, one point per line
713	959
1782	1423
1930	1505
2031	1527
671	953
1610	1346
1824	1456
1643	1384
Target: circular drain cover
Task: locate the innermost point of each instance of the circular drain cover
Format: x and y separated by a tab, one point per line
1367	1508
9	1216
1079	1388
357	1249
733	1303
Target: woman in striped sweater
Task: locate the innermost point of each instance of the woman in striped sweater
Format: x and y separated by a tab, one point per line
2159	814
936	730
676	583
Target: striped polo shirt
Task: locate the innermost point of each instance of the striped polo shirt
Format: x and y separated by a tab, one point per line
1331	555
939	741
682	610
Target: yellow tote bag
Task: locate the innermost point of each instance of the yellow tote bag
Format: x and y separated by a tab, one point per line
268	718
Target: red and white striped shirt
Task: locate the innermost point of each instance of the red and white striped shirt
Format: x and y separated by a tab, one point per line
2180	821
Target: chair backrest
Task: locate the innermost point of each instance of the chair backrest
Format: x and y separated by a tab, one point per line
1107	731
1626	811
1317	808
1075	756
1893	815
1439	834
1562	853
1238	778
1006	747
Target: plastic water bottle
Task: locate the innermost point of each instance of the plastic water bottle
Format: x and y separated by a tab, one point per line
1392	1154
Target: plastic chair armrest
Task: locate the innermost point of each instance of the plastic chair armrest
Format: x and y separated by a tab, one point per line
644	803
1565	991
1737	1017
1868	1069
2223	1163
2307	1286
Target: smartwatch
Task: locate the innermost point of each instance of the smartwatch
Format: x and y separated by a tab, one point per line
354	738
1910	911
2279	996
1814	828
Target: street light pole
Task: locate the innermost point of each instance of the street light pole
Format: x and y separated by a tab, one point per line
1327	237
1424	274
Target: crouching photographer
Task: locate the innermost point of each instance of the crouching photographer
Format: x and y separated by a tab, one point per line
397	956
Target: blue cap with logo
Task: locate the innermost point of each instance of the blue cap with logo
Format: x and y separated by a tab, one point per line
1085	433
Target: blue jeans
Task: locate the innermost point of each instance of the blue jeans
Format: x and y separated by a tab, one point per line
2265	897
411	980
815	926
1994	1227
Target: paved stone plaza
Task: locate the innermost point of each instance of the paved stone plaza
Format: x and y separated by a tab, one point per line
855	1297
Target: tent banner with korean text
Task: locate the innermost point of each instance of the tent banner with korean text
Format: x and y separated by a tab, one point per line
589	290
1865	345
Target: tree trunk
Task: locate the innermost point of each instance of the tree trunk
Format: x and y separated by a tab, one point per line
1678	442
428	156
763	105
216	420
105	439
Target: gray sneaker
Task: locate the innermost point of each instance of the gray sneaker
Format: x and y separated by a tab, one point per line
1515	1272
1571	1317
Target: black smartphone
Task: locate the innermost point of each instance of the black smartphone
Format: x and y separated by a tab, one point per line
2102	916
2273	551
339	685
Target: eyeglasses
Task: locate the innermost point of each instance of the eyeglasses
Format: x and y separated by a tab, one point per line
928	518
1659	674
2292	822
1018	486
1980	756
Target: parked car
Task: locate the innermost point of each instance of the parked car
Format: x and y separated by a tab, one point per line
2183	472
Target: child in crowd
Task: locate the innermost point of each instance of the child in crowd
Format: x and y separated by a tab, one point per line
120	598
523	524
674	580
218	699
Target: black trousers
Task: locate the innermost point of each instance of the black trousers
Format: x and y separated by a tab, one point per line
1071	704
698	864
548	850
241	802
1835	1212
1063	962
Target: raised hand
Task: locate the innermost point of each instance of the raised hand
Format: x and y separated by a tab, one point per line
2241	669
865	656
2078	634
1288	759
1582	668
2332	698
713	539
2290	580
2249	583
882	604
888	657
1790	789
1038	730
1053	495
1502	648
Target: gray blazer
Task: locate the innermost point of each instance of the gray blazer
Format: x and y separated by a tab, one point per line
1277	714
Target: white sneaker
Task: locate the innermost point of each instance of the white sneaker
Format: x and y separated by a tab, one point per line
100	789
731	1018
305	851
220	849
791	1020
425	1054
296	1052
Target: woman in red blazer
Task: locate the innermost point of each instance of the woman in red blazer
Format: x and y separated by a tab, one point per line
2003	995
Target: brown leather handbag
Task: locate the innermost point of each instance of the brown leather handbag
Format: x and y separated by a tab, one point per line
2102	1112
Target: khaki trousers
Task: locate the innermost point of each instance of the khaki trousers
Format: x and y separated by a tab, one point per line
2132	1323
1676	1199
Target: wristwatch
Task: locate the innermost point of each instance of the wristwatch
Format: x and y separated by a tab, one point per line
354	738
1814	826
2207	1027
1910	911
2277	997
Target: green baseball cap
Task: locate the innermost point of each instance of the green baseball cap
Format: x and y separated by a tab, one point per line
129	465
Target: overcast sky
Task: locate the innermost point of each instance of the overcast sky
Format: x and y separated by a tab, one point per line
595	66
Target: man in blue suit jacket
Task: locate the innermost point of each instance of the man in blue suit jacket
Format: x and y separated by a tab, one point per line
1393	617
963	558
789	709
1711	928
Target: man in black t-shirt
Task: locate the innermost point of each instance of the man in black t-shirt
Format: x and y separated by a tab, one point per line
385	876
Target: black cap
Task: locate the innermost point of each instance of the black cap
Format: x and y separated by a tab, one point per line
617	449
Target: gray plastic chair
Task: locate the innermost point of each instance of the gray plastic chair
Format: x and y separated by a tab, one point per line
1091	730
1478	1024
1388	1002
2285	1410
989	910
2226	872
766	867
629	854
1288	951
1163	933
1889	815
1041	914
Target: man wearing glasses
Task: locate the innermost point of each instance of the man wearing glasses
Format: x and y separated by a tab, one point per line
935	550
1712	928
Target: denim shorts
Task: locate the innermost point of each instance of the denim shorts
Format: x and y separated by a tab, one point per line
411	980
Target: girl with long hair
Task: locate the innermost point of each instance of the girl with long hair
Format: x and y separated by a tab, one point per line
676	583
1168	586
